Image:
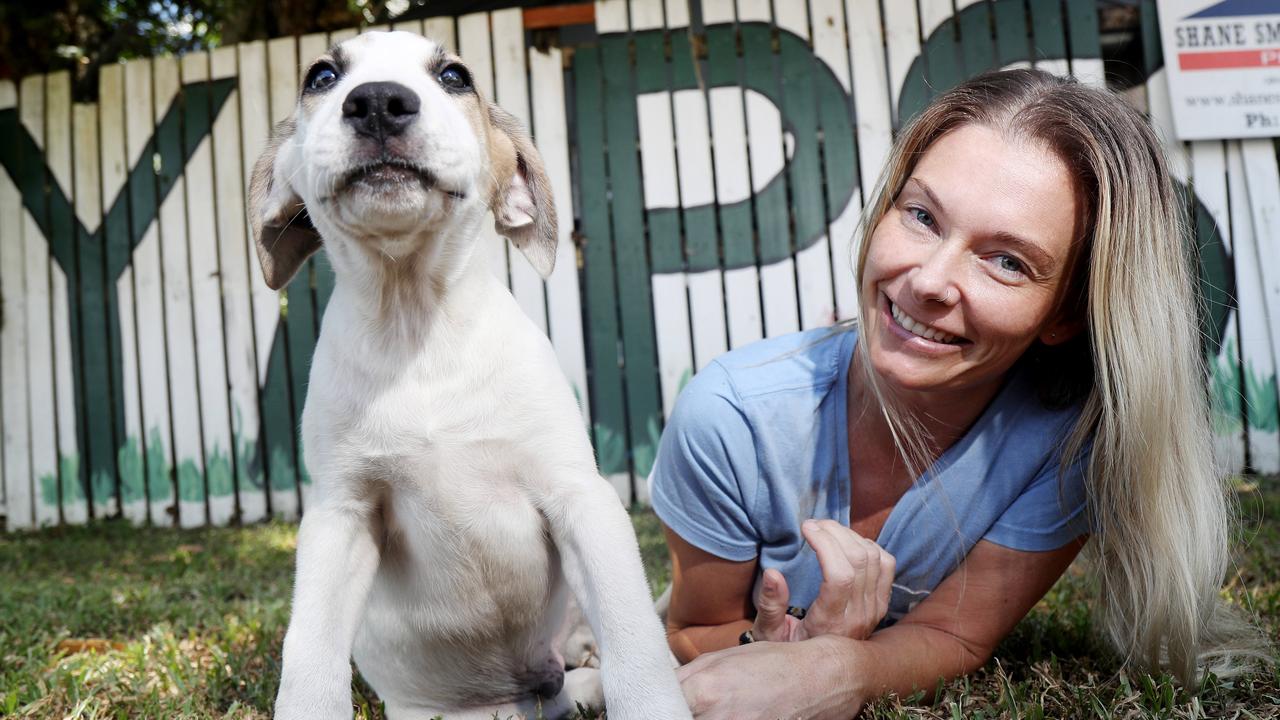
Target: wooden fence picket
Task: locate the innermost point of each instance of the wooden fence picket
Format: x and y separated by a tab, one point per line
41	362
73	445
872	97
660	185
873	103
659	188
443	30
902	45
1256	365
210	497
811	247
239	313
186	457
129	491
1262	266
1209	181
841	152
632	265
732	174
105	412
701	249
600	296
564	304
153	360
769	151
13	342
275	454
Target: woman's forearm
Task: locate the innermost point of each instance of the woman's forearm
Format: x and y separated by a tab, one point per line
689	642
829	677
906	658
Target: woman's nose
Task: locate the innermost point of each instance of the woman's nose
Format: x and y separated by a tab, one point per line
936	278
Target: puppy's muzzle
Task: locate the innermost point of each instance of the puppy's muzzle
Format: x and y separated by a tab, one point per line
380	110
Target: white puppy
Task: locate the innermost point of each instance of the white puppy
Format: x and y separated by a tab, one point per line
456	499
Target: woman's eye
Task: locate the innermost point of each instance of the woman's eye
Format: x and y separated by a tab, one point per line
921	216
1011	265
455	77
321	77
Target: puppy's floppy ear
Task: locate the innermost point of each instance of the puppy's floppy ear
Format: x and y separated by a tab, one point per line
281	227
523	208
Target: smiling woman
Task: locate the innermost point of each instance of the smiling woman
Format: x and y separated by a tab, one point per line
882	502
965	277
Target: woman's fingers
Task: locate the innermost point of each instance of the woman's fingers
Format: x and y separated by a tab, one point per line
839	580
857	578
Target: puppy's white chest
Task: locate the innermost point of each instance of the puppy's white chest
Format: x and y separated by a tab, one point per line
360	411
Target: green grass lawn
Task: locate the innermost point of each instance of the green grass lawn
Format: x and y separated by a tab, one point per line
110	621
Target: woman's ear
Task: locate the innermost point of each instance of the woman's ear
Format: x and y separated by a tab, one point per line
282	230
524	210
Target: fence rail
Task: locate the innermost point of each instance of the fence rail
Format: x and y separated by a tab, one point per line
710	159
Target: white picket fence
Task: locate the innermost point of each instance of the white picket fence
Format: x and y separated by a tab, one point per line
709	159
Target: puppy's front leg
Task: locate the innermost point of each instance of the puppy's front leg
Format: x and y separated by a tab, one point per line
601	562
337	559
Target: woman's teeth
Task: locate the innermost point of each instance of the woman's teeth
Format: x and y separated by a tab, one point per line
916	327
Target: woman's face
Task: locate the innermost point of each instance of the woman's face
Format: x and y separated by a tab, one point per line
964	272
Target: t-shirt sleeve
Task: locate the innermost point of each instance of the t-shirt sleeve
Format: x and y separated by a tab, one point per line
705	473
1051	512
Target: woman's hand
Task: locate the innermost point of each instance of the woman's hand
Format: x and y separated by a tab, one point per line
857	578
812	680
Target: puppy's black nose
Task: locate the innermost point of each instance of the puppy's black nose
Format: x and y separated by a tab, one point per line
551	685
380	109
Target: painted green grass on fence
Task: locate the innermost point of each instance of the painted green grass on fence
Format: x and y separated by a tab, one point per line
109	621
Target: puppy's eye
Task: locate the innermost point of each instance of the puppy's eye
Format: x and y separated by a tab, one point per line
455	77
321	77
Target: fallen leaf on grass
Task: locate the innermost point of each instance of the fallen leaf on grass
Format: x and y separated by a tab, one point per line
71	646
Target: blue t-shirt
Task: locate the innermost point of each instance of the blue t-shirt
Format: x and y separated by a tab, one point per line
758	442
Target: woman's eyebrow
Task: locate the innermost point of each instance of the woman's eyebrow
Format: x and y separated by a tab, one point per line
928	192
1038	256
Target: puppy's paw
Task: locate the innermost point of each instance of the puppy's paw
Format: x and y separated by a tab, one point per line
582	690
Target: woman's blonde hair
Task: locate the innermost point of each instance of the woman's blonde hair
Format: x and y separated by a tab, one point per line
1161	512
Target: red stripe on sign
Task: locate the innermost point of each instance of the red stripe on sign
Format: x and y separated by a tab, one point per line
1268	57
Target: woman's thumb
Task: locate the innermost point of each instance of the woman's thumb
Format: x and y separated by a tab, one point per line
771	609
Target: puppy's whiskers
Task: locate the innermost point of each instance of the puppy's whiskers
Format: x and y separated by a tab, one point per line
302	209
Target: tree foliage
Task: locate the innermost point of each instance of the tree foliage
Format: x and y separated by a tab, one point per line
39	36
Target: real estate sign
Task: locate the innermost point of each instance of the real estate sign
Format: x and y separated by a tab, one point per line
1223	64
